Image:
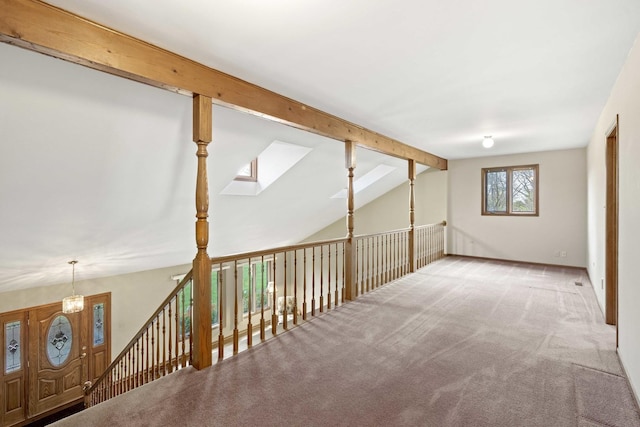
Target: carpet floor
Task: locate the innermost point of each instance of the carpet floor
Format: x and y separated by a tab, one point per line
461	342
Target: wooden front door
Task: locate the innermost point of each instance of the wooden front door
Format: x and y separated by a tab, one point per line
47	356
57	352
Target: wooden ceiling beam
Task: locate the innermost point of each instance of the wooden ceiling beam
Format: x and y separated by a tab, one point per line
43	28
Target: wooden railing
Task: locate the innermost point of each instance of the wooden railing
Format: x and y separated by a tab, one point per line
261	293
381	258
275	287
429	243
160	347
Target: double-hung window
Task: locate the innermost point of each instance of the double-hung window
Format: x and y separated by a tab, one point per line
511	190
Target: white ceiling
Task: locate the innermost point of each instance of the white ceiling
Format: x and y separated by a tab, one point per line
102	169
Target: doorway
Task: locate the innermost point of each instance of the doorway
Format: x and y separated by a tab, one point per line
47	356
611	234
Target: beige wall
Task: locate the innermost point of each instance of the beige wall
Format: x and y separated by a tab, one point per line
560	227
134	298
624	101
391	210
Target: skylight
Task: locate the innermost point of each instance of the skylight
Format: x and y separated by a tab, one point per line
274	162
366	180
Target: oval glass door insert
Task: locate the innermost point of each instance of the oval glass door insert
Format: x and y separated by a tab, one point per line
59	340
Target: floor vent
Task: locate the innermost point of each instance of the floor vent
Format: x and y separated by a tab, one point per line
578	283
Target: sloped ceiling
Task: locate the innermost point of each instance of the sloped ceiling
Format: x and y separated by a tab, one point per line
102	169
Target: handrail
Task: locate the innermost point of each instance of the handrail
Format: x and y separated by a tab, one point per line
265	252
399	230
145	327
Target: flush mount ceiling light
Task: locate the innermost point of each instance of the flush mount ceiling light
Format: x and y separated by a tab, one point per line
74	303
487	142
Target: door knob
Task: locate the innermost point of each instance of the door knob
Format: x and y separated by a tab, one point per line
83	355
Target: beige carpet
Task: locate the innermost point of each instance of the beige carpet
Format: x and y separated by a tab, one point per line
460	343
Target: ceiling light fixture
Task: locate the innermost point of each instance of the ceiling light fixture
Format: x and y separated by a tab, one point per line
74	303
487	142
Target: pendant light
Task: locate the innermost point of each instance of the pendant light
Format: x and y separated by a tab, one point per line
74	303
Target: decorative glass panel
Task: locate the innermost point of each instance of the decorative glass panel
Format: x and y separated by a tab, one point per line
12	340
98	324
59	340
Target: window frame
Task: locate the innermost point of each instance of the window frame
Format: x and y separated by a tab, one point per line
253	166
509	195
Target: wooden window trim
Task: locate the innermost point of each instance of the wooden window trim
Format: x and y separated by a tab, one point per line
254	173
509	170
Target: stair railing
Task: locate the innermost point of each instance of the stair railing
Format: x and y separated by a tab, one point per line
160	347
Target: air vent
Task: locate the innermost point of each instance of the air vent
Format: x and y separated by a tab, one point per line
578	283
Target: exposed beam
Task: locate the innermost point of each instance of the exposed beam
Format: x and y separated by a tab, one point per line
43	28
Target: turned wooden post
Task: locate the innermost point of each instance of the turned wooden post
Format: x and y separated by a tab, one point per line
412	216
201	314
349	252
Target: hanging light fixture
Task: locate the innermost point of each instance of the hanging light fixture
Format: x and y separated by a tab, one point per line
74	303
487	142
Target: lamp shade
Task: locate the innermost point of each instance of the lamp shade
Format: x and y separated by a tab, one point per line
72	304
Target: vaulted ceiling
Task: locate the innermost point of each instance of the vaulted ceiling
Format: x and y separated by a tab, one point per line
102	169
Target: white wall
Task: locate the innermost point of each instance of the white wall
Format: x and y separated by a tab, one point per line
560	227
134	298
391	210
624	101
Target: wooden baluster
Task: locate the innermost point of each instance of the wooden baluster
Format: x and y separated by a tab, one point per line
177	317
145	357
369	264
164	343
183	337
249	307
344	297
221	296
151	365
235	308
329	279
360	267
321	279
136	367
170	340
357	264
336	292
191	323
262	299
313	282
304	285
274	307
285	316
396	252
127	374
138	363
295	287
120	377
157	320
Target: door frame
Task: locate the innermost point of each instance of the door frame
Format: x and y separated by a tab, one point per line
611	233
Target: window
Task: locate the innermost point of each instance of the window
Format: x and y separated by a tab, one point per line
255	286
510	191
248	172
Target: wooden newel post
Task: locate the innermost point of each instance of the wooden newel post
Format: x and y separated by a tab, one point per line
349	252
412	216
201	314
